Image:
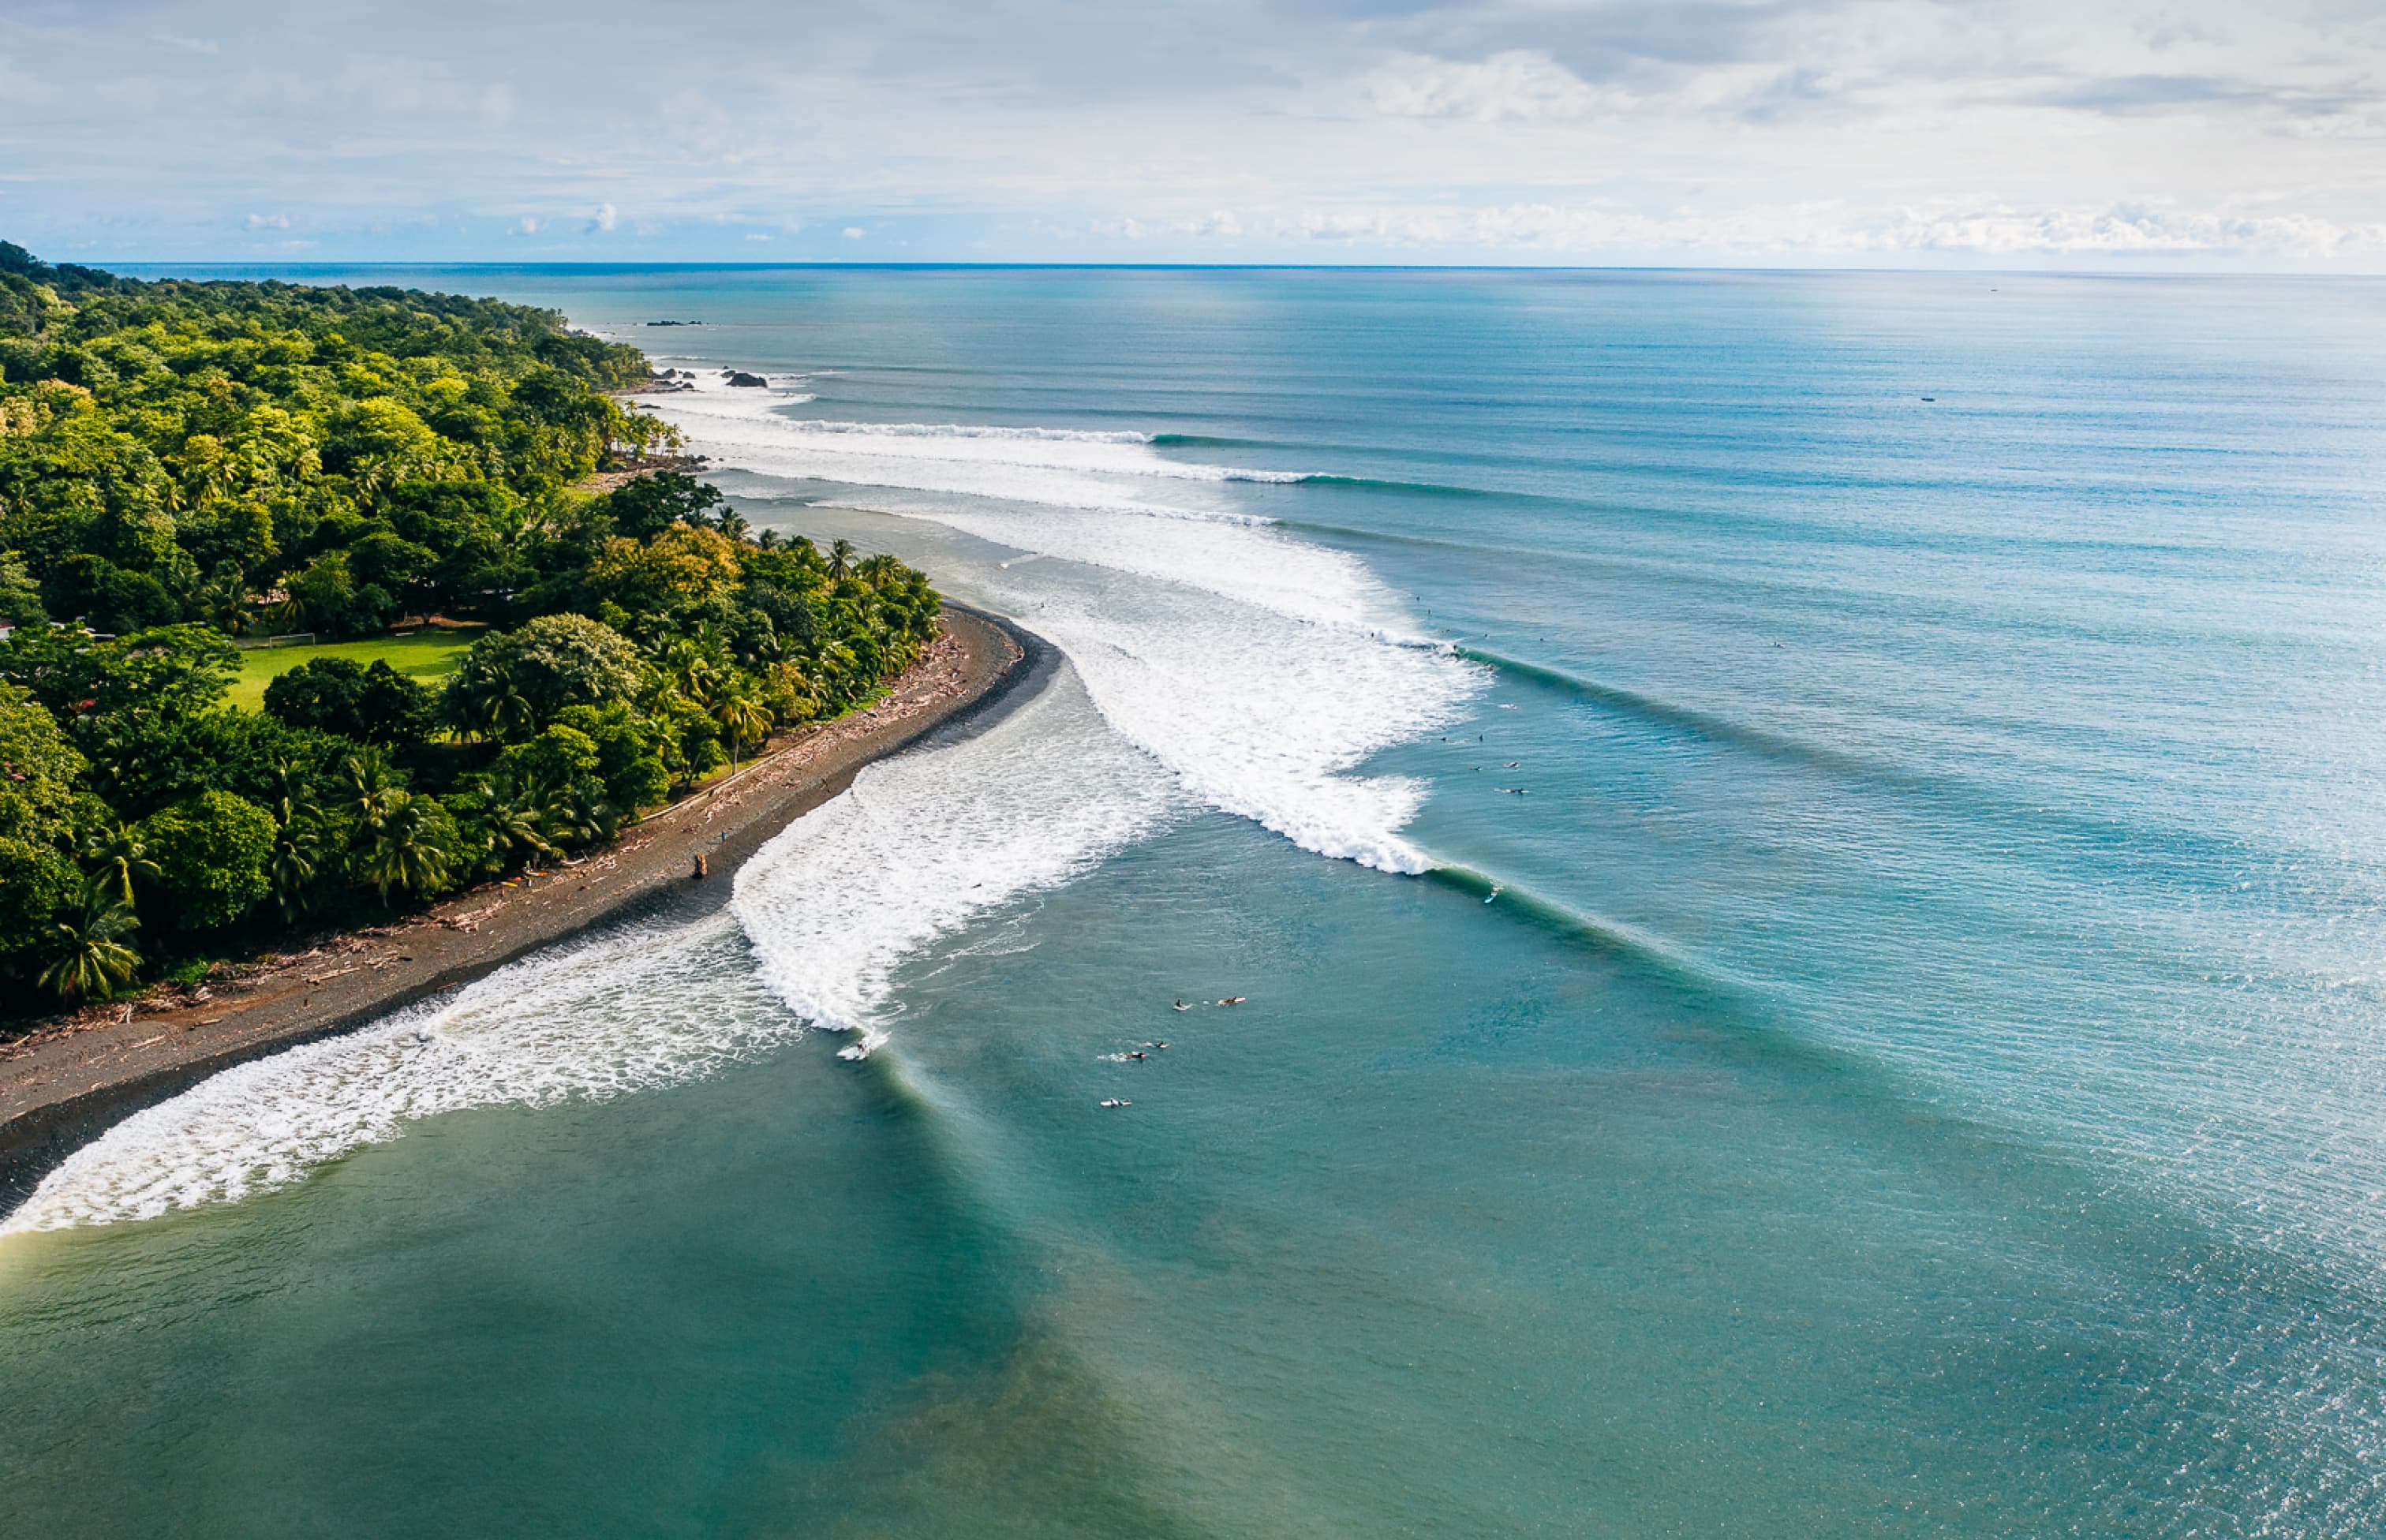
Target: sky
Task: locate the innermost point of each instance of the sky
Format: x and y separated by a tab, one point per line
2169	136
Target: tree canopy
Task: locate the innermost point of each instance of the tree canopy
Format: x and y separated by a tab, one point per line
185	463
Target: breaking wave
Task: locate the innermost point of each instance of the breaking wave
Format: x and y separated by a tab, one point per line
1213	661
1261	669
920	846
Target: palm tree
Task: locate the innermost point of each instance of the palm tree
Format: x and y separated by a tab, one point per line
743	717
298	841
697	665
879	571
514	824
293	865
492	707
407	852
840	560
119	855
92	958
372	791
579	814
222	600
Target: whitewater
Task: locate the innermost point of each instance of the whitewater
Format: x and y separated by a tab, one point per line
1212	662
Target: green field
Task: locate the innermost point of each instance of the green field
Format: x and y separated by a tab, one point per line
427	655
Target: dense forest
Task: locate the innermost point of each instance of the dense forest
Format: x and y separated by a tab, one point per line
186	464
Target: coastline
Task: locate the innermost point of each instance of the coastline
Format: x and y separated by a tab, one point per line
58	1092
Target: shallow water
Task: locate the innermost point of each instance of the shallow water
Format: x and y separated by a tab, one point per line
1917	1071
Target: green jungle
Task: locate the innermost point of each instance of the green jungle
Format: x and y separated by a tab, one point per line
185	466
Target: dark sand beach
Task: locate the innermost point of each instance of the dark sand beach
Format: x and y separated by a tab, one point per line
60	1086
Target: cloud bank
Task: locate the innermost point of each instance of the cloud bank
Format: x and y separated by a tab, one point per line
2180	133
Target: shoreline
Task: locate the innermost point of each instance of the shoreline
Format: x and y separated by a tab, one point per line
58	1093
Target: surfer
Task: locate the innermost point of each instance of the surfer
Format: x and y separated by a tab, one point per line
1138	1054
1180	1006
1116	1101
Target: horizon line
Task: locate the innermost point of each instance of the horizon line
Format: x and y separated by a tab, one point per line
948	265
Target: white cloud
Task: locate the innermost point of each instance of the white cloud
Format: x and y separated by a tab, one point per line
1220	223
1519	83
1970	227
266	221
2219	128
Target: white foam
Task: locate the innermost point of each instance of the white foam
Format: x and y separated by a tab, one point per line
925	454
592	1020
1258	667
924	843
1212	656
919	846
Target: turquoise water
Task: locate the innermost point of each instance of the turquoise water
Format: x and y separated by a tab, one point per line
1918	1070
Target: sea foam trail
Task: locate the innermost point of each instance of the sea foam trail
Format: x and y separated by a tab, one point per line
1261	669
1212	656
730	412
621	1012
920	843
916	848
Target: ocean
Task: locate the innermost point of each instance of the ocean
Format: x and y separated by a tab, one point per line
1803	855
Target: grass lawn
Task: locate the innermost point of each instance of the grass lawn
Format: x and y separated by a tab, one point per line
427	655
